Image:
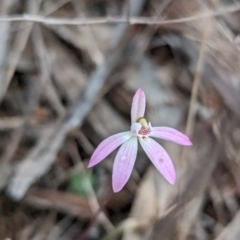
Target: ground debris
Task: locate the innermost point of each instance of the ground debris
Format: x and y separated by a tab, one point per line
66	87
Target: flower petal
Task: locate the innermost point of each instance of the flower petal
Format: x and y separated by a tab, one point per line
170	134
107	146
159	158
123	163
138	105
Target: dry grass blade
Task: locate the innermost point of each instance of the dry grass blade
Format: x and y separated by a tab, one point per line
64	202
65	67
11	123
45	80
143	214
4	38
45	228
197	79
6	7
231	231
91	45
56	231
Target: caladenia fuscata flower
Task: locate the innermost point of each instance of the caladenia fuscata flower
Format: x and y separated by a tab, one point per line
143	132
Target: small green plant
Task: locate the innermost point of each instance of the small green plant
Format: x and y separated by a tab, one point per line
79	182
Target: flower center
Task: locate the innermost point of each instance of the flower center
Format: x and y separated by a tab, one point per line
145	129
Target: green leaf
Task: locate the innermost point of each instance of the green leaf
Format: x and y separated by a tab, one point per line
79	182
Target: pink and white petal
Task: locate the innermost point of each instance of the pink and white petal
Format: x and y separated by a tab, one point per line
159	158
107	146
123	163
170	134
138	105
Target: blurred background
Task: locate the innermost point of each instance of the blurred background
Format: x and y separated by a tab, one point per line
68	72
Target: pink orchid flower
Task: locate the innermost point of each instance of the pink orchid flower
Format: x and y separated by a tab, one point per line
142	131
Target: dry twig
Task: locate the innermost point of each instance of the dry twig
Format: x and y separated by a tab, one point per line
132	20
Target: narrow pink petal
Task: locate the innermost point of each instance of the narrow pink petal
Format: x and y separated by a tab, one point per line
138	105
123	163
107	146
159	158
170	134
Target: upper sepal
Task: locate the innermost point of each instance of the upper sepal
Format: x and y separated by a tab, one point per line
138	105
